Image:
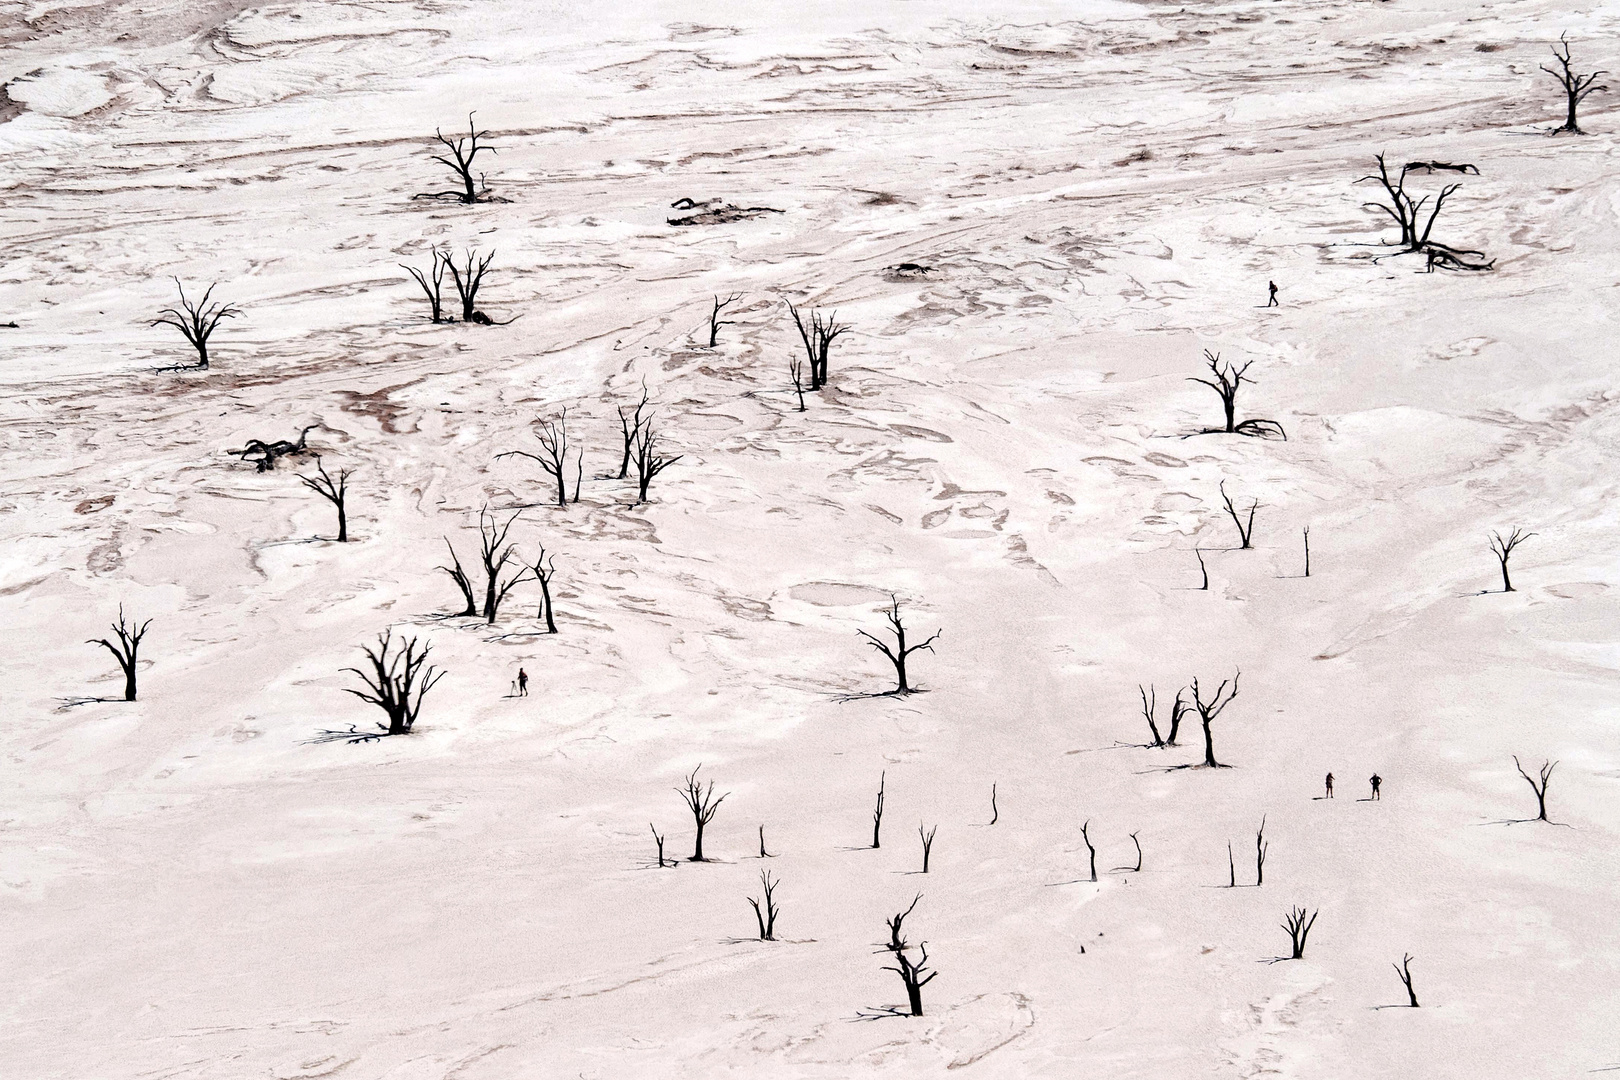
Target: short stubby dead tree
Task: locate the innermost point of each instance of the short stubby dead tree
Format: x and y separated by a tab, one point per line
125	646
1299	928
1417	234
1502	548
1576	86
1226	379
459	156
1404	970
630	425
543	568
334	491
397	677
649	459
913	971
197	321
1245	526
1178	712
900	652
818	337
715	322
467	280
703	804
766	910
1538	785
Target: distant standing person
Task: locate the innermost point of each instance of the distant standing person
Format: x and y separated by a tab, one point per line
523	683
1377	782
1272	302
1329	794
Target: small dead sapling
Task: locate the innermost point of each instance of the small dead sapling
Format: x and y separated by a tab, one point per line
1150	704
818	338
1299	928
703	804
630	429
334	491
899	654
125	648
542	569
432	284
1245	527
649	461
877	812
1539	785
659	840
1085	834
1404	970
765	911
927	842
715	322
1262	847
1503	550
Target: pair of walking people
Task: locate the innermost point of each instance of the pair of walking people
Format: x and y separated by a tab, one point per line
1376	781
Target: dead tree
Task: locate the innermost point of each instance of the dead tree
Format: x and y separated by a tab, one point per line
543	568
1085	835
1405	211
818	340
397	681
264	455
1137	869
1202	569
648	461
914	974
197	321
1503	550
901	651
126	650
1228	378
1576	86
796	374
463	582
659	840
1299	928
1245	528
995	813
927	842
1307	551
715	322
1539	787
467	281
1231	867
494	552
766	917
1149	705
762	852
1208	711
432	284
1404	970
462	154
630	428
334	491
1261	847
1178	711
703	804
553	456
877	813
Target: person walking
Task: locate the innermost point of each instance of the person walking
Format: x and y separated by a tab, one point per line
1272	302
1377	782
1329	794
523	683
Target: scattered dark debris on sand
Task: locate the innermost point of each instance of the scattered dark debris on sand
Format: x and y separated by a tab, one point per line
717	212
264	454
1142	154
907	271
9	325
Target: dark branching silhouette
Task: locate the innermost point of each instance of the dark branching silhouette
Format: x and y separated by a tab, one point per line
1150	703
659	840
125	647
1575	85
1299	928
334	491
1539	786
1226	380
1262	847
877	812
1307	530
553	456
765	910
818	338
715	322
467	280
397	679
927	836
1178	711
1404	970
1503	550
1202	569
1085	834
432	284
649	460
1245	527
995	812
459	156
1137	869
1406	212
494	554
914	973
901	651
796	376
703	804
1208	711
630	428
264	454
542	569
197	321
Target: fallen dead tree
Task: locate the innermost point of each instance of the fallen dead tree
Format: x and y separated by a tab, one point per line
263	455
1417	234
716	212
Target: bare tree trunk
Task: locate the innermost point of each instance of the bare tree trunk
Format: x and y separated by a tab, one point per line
127	649
877	814
1404	970
1085	835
